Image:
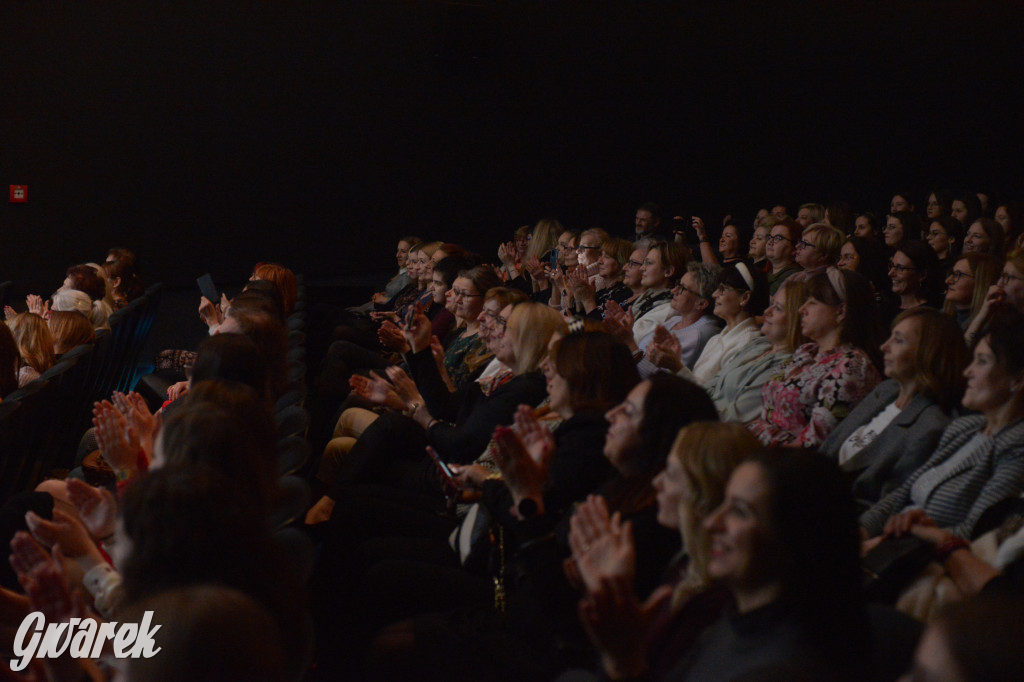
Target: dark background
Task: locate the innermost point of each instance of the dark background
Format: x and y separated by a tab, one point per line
208	136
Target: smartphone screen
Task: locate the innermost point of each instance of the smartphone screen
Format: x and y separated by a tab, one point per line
207	289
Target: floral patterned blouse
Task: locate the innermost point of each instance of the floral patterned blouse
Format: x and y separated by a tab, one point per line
811	394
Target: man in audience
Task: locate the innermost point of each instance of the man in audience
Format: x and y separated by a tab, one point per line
780	212
648	222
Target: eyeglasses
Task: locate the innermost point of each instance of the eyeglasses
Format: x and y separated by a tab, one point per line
464	294
581	247
803	243
634	264
681	287
501	322
776	238
900	269
722	288
958	275
1005	278
565	247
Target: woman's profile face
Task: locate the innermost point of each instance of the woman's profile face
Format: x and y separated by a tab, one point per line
729	242
1002	216
558	388
960	284
728	301
900	349
504	347
958	210
893	232
740	530
756	248
608	266
402	253
653	273
976	240
438	288
624	425
938	239
988	385
633	270
673	490
490	310
776	324
862	227
818	319
1012	284
412	266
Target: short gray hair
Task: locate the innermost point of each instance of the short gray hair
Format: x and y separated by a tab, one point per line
708	276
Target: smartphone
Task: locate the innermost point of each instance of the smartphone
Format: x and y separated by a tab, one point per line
553	259
207	289
445	471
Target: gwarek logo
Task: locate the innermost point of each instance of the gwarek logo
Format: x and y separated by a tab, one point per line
82	638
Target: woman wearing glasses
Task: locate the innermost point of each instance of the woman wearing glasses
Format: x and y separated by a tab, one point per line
1005	295
967	286
779	250
916	278
832	373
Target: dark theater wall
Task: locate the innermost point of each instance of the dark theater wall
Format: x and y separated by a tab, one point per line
210	135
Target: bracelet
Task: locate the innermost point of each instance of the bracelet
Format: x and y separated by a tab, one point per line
638	355
411	410
948	546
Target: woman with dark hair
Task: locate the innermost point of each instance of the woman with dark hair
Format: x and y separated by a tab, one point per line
896	427
794	576
741	295
966	208
980	458
985	235
967	286
125	286
839	215
945	236
900	227
938	204
866	256
867	225
915	275
832	373
232	357
901	201
1011	216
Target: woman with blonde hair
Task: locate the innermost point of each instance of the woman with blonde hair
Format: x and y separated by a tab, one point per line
967	286
691	486
69	328
35	343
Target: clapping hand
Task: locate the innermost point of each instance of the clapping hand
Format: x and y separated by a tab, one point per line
96	507
524	458
602	546
375	389
417	332
118	442
664	350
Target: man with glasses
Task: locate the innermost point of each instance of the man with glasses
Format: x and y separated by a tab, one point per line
779	250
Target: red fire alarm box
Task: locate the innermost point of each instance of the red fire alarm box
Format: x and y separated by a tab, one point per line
19	194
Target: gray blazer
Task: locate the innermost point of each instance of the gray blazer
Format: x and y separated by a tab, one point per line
984	479
904	445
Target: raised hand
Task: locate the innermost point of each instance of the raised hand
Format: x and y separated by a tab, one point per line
9	313
209	312
524	458
134	407
63	530
404	386
34	303
602	546
619	323
96	507
418	332
507	253
119	444
534	267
